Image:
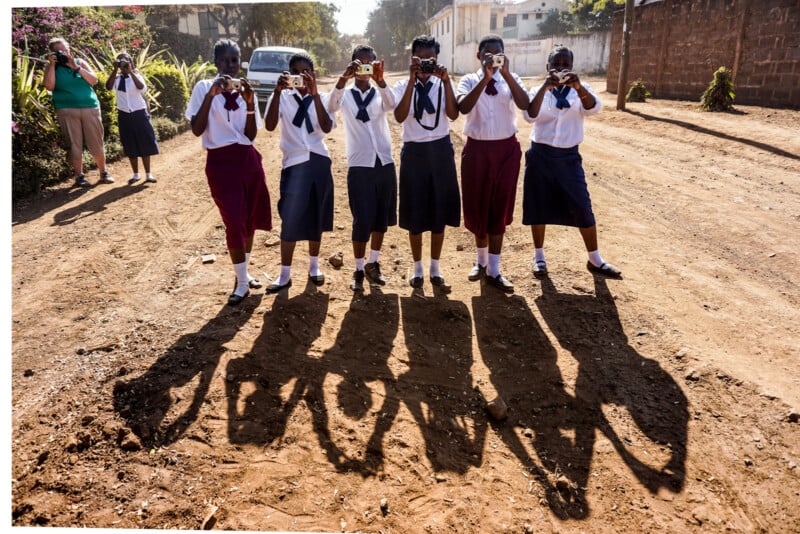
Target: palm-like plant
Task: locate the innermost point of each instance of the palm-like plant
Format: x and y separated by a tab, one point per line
199	70
28	95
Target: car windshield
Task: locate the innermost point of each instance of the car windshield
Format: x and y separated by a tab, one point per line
265	61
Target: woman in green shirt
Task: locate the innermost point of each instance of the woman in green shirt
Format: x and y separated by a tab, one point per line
70	81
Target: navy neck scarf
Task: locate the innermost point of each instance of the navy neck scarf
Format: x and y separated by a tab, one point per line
362	114
121	86
561	96
423	101
302	112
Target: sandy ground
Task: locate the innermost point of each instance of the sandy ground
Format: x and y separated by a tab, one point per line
663	402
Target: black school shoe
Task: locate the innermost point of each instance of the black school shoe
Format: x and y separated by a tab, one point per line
275	287
606	270
501	283
357	283
373	272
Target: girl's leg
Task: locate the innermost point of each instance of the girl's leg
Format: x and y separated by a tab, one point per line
416	253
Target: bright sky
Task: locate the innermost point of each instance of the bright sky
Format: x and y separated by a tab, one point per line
353	14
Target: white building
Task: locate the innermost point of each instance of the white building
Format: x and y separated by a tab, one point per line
460	26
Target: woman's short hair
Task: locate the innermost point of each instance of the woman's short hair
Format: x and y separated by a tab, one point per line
222	45
424	41
52	42
301	56
558	50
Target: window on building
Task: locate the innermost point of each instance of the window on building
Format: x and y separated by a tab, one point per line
493	21
524	16
208	26
538	16
509	21
448	24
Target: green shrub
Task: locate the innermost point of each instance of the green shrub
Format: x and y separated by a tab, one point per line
173	92
637	93
720	94
108	106
165	128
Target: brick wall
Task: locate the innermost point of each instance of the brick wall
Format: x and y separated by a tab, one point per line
676	45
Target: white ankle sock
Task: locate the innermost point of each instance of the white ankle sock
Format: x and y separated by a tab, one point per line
538	254
241	278
493	269
482	256
247	264
286	275
595	258
435	268
359	264
373	255
313	266
418	269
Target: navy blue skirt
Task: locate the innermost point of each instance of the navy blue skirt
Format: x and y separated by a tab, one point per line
306	203
429	195
136	134
372	192
555	190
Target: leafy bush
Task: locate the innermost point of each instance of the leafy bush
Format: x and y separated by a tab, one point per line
637	93
164	128
38	157
720	94
174	93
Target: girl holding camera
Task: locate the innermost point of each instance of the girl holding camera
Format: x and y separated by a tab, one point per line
555	190
222	112
490	160
133	116
371	176
70	80
429	195
306	203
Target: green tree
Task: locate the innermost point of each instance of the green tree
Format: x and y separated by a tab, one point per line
593	15
556	22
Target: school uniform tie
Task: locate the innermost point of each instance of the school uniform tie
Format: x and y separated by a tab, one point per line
424	102
302	112
491	90
362	114
230	100
561	96
121	86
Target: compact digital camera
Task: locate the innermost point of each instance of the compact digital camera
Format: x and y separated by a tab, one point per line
233	84
61	57
364	69
123	64
498	60
562	76
428	65
295	80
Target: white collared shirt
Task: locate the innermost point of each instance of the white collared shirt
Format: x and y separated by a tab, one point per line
224	127
493	117
132	98
412	131
296	143
561	128
364	141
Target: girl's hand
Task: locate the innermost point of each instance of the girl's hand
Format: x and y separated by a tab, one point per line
247	93
283	82
311	82
415	69
377	71
351	69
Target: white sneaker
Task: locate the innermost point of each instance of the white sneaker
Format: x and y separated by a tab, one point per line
150	178
133	179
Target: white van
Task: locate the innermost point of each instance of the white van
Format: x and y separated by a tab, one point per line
265	66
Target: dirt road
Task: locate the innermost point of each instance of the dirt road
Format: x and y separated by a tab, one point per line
663	402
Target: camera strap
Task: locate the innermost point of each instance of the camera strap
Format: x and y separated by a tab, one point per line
422	102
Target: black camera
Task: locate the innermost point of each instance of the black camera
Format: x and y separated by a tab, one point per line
428	65
123	64
61	57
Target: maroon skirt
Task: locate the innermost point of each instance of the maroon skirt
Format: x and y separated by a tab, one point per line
489	175
239	189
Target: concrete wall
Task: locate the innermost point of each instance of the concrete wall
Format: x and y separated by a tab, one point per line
676	45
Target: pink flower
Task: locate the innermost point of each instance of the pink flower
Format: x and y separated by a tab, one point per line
14	127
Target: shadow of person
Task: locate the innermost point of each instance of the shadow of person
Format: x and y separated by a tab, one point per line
93	205
358	361
524	373
611	372
438	386
145	402
264	386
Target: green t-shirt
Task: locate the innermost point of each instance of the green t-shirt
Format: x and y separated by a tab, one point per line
72	91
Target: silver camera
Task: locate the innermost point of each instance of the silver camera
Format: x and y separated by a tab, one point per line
233	84
562	76
364	69
498	60
296	80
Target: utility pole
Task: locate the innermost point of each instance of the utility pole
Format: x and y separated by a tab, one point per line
622	83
